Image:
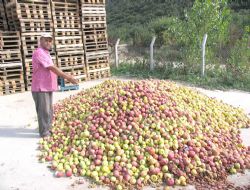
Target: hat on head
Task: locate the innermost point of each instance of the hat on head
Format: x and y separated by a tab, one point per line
46	35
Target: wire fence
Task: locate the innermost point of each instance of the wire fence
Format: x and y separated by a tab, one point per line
224	58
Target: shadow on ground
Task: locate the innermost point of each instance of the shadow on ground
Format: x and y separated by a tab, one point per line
8	132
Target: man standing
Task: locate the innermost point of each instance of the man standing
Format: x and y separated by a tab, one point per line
44	83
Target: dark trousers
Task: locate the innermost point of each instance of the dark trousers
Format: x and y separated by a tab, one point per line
44	110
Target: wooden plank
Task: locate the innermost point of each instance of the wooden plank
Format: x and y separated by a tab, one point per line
93	2
97	54
67	47
69	52
10	65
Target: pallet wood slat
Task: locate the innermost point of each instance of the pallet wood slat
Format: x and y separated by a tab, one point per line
93	2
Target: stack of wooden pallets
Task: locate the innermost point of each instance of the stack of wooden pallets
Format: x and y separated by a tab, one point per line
94	27
68	37
3	20
11	69
31	18
80	37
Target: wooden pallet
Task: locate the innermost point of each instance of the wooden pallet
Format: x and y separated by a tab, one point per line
65	43
87	26
74	15
10	56
67	32
11	86
11	71
93	10
36	25
97	54
65	9
79	72
66	14
34	2
65	6
94	19
99	73
98	59
29	10
96	33
98	65
96	47
70	59
9	40
95	40
94	67
66	23
93	2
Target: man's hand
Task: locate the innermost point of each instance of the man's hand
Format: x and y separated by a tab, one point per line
58	72
72	80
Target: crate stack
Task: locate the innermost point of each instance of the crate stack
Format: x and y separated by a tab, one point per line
68	38
11	69
31	18
3	19
94	27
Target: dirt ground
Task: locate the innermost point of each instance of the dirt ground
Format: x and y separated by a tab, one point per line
19	167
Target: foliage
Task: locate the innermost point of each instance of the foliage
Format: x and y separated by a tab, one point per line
210	17
180	32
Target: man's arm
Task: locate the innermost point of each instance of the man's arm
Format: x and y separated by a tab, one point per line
58	72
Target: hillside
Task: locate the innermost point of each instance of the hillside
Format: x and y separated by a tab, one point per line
127	16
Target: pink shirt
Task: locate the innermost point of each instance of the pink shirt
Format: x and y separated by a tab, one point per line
43	80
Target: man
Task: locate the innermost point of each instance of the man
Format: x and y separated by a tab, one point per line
44	83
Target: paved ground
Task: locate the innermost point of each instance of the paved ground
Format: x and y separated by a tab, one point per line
19	168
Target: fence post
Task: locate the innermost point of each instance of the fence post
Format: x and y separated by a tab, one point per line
203	66
152	54
116	53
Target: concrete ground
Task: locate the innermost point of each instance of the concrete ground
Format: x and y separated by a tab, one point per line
19	166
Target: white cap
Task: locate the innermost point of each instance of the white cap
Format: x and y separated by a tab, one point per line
46	35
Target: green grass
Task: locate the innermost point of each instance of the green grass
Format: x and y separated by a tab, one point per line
212	80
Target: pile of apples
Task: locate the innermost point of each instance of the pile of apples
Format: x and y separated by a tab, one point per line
127	135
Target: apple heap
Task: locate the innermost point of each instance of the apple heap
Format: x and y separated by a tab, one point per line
137	133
